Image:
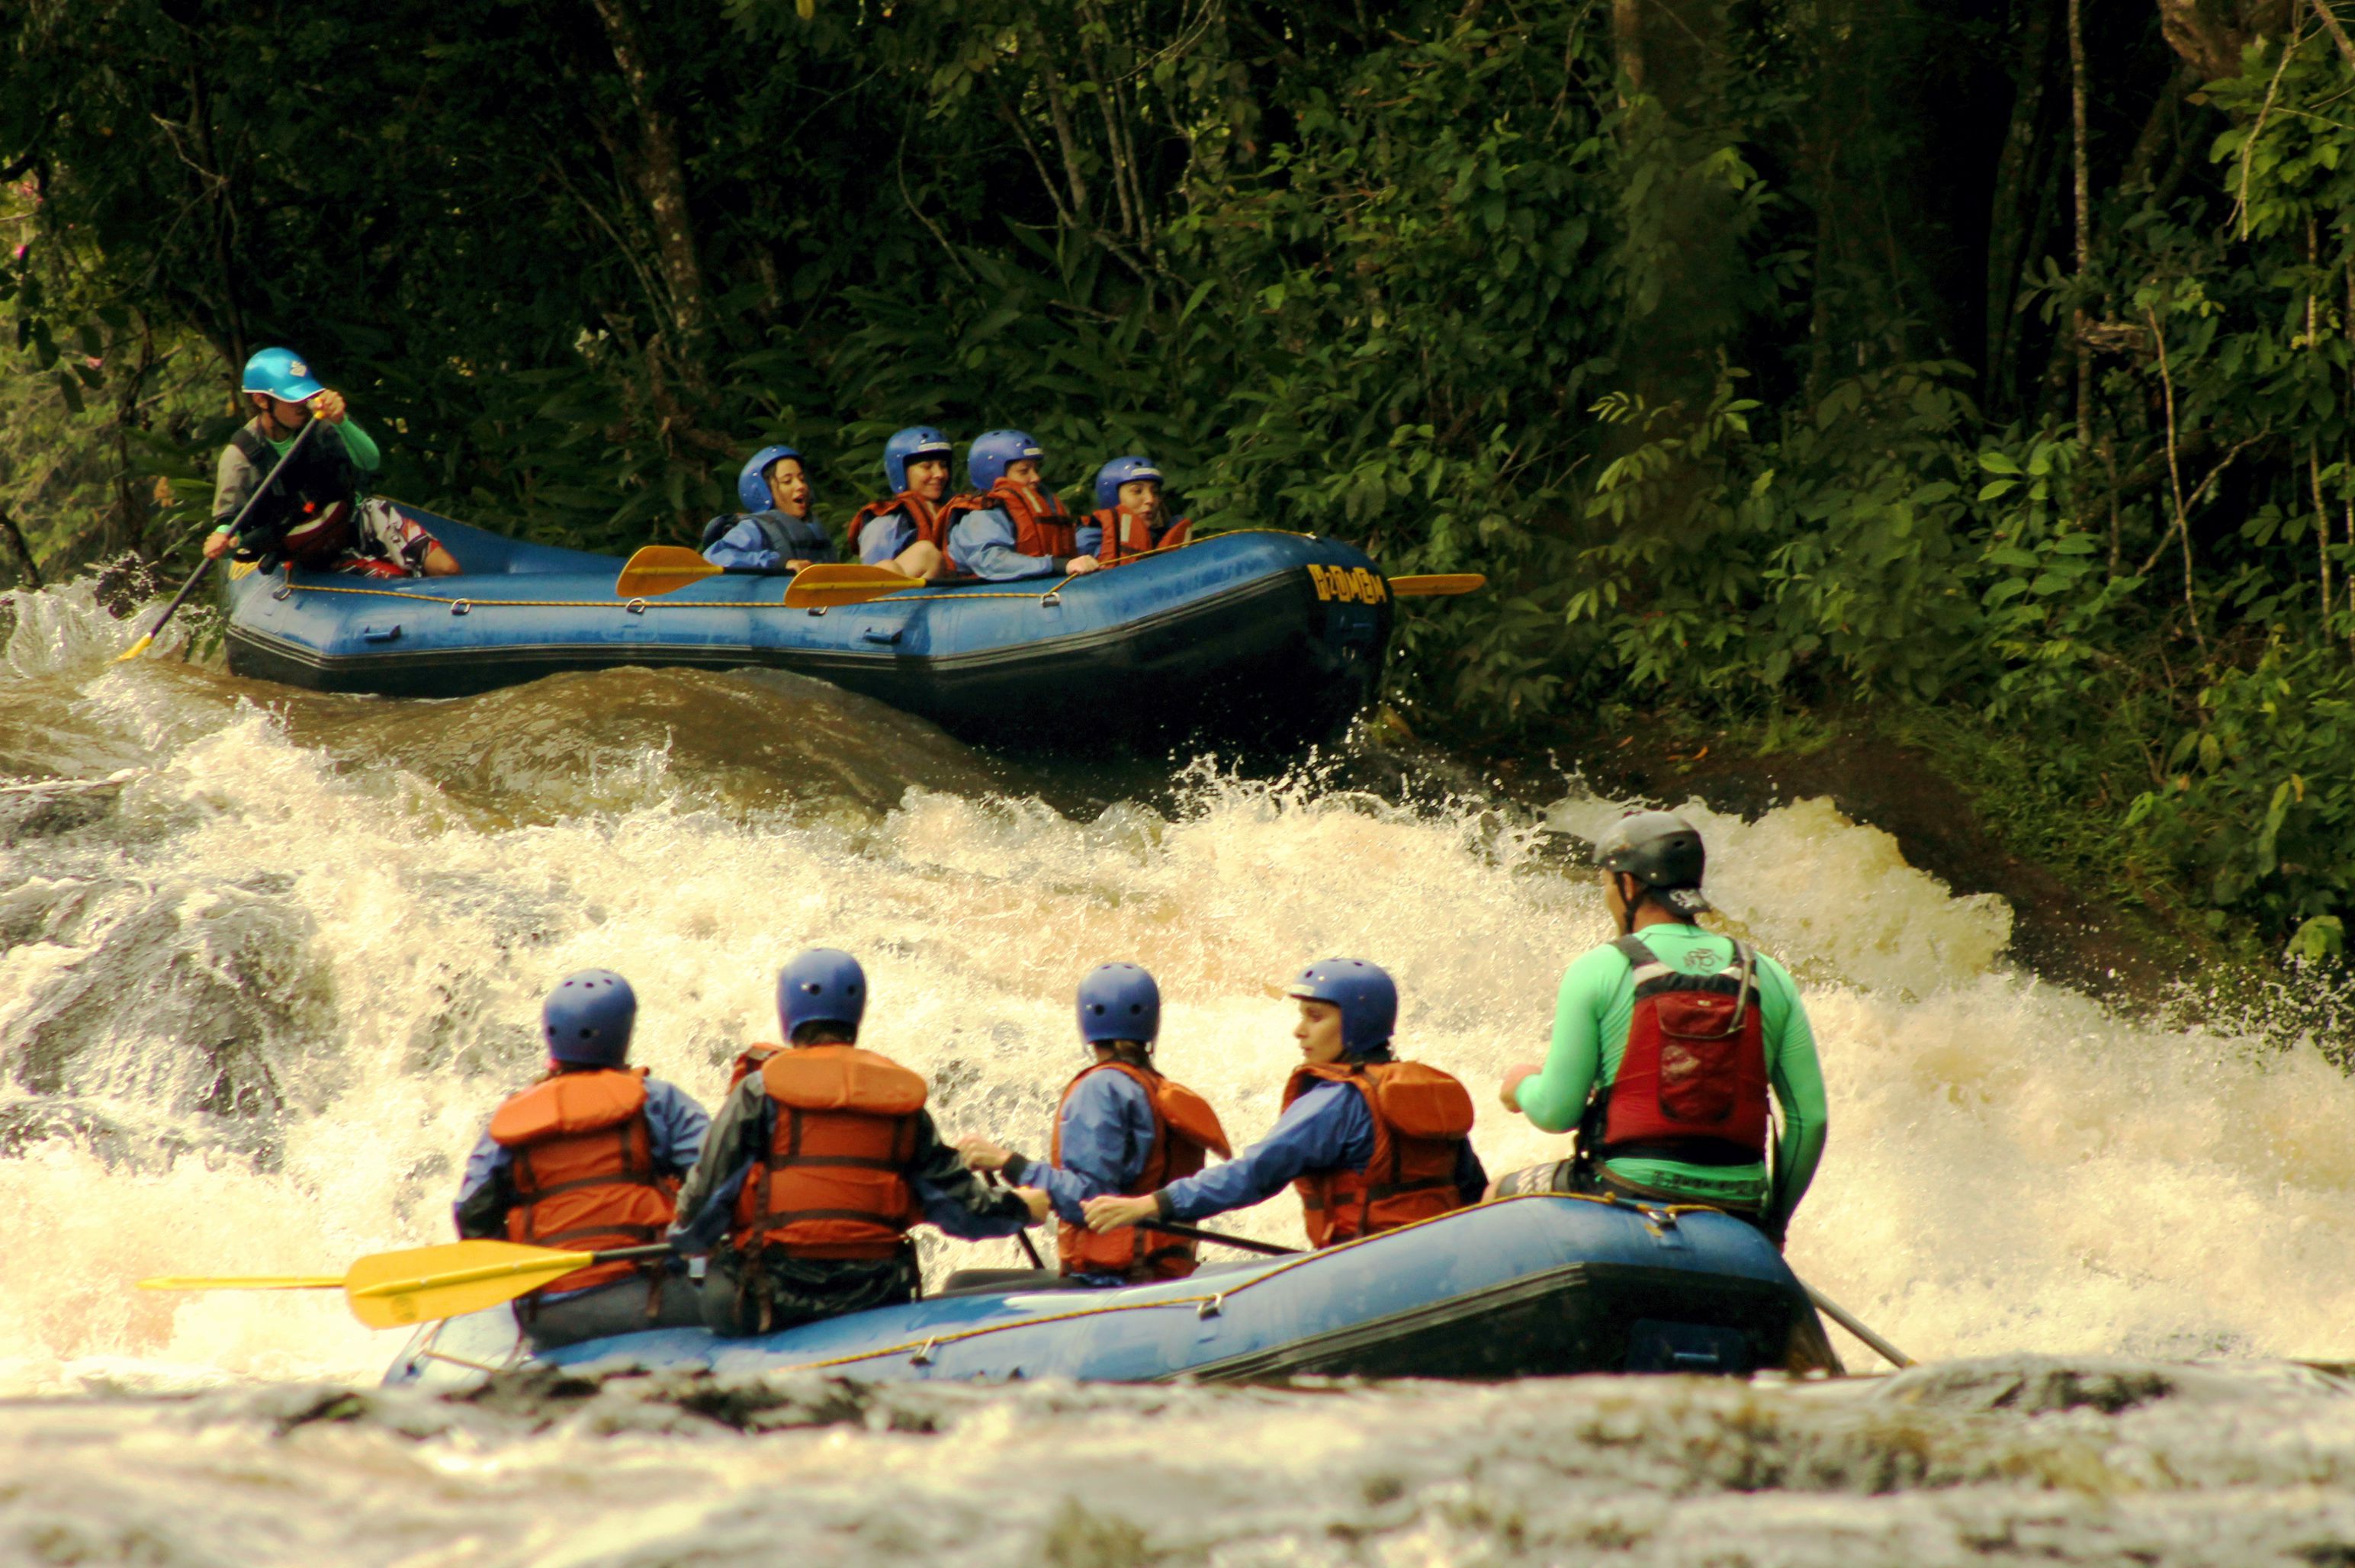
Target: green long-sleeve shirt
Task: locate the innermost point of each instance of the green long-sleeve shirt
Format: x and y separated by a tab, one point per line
237	478
1597	1003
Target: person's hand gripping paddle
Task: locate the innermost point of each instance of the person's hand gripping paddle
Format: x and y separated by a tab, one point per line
144	644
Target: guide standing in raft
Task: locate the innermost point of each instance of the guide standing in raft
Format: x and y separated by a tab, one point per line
1667	1043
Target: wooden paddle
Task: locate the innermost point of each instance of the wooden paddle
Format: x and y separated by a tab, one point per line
660	568
396	1290
1438	585
828	583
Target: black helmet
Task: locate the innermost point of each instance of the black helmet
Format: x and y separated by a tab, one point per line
1660	849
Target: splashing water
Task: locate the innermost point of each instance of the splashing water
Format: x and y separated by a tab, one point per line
257	1001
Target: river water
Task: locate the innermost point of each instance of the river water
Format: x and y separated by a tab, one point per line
257	994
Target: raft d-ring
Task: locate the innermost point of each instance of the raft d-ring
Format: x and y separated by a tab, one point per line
284	590
462	606
1050	600
1213	1307
923	1356
636	606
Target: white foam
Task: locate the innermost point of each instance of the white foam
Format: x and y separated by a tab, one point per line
2011	1165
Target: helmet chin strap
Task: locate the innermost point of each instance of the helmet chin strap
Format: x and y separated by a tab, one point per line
1625	917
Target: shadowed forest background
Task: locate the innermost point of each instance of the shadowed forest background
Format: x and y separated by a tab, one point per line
1977	371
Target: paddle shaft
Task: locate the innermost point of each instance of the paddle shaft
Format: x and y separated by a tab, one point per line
1856	1325
1242	1244
529	1276
205	565
1030	1247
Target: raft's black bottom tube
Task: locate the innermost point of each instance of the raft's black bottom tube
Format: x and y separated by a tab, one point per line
1585	1318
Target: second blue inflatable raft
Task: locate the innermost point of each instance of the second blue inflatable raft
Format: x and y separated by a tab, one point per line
1257	639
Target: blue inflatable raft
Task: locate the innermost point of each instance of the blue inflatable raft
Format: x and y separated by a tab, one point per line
1262	639
1518	1287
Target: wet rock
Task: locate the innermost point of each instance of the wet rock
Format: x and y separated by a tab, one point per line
186	995
1077	1538
2033	1385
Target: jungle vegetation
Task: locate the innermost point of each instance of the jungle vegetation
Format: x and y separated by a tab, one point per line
1989	361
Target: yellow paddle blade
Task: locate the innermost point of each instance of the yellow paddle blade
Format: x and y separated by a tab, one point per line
239	570
135	649
830	584
244	1282
660	568
1438	585
394	1290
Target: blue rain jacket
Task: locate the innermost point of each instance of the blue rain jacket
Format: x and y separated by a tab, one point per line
1328	1128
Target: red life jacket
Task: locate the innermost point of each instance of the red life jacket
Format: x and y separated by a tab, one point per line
832	1182
1421	1117
583	1170
930	523
1041	526
1692	1085
1127	533
1185	1130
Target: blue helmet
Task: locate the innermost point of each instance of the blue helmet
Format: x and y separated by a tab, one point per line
825	984
1364	992
280	373
1119	1001
753	479
993	452
587	1019
1119	472
912	445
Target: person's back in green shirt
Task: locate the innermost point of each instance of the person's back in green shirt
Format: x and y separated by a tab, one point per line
1596	1005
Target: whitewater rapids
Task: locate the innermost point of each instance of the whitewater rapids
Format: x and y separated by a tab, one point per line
258	994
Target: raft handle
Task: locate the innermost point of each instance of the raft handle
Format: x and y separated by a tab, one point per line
1050	600
462	606
1215	1307
923	1356
636	606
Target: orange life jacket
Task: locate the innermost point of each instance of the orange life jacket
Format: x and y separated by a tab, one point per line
930	523
748	1062
1421	1117
832	1182
1041	526
583	1170
1128	533
1185	1131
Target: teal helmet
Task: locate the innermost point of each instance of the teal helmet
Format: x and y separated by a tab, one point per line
280	373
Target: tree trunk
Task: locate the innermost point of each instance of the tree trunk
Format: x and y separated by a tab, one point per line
128	527
2016	188
2210	34
1627	35
660	174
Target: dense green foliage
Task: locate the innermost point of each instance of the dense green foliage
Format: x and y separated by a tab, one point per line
1755	347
